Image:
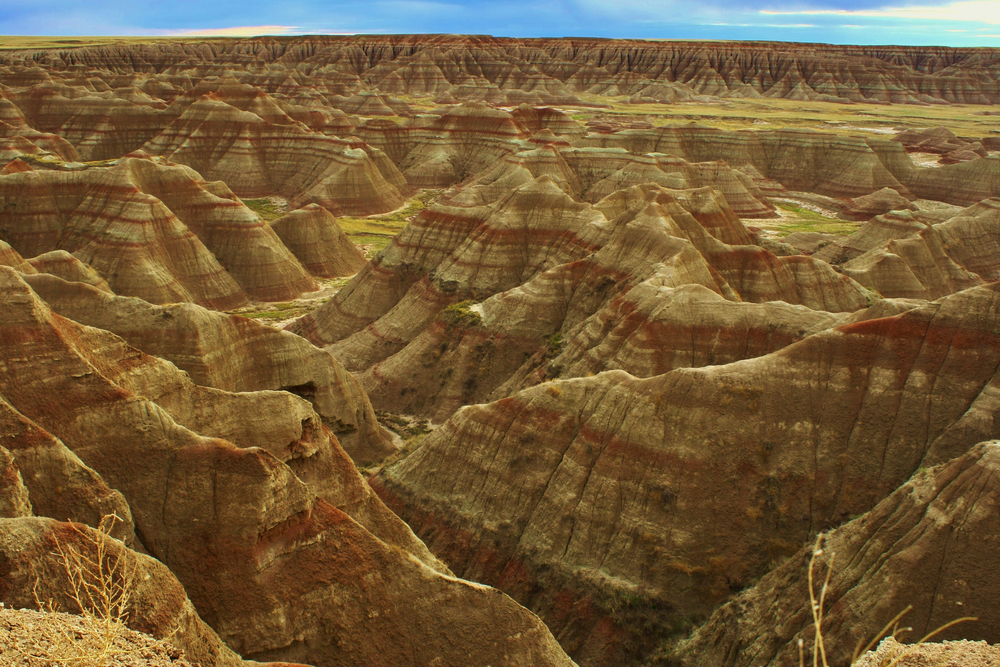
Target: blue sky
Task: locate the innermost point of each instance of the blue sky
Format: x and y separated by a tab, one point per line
916	22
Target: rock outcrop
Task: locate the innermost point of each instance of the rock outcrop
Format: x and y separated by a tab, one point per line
535	71
231	353
880	564
539	264
152	230
257	158
276	539
877	203
914	255
574	495
313	236
34	570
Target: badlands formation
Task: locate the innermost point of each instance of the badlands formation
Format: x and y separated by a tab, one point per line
669	327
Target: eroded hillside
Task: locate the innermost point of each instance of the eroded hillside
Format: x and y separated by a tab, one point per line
639	369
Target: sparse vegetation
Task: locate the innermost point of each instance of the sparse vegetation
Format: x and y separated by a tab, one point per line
806	220
376	231
101	581
555	346
461	315
267	208
413	430
817	605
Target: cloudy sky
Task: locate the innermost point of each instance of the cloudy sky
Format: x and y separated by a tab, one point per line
917	22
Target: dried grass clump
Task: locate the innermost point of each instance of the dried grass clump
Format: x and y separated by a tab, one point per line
891	629
101	576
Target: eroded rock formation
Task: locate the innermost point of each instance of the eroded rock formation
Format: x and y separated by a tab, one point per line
277	541
596	488
880	565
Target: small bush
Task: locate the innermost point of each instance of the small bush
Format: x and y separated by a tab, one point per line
101	581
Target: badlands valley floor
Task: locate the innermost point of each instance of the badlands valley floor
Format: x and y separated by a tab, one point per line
443	350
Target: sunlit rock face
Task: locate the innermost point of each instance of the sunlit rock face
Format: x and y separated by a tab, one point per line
645	402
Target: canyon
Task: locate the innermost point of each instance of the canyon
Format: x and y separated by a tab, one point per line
460	350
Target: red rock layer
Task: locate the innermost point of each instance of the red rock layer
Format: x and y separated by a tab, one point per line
231	353
942	515
438	151
152	230
679	488
129	237
244	533
100	125
242	242
315	238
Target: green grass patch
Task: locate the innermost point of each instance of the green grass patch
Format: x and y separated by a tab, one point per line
272	315
378	231
807	220
265	208
461	315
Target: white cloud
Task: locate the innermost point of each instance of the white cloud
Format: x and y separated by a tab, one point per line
975	11
237	31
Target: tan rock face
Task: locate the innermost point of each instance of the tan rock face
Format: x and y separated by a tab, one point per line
916	255
880	564
230	353
877	203
257	158
313	236
151	230
64	265
597	488
281	559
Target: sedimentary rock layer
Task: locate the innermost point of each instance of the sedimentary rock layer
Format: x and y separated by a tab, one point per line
677	489
153	230
880	564
547	70
540	264
278	542
231	353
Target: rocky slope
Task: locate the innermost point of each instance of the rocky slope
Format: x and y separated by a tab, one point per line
880	564
536	71
252	504
644	401
672	491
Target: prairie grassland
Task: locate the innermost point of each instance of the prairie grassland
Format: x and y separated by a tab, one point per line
767	113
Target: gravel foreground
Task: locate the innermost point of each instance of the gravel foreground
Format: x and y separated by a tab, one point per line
950	654
30	638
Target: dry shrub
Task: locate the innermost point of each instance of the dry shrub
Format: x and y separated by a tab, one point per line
891	629
101	577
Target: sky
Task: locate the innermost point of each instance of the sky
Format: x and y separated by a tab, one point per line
898	22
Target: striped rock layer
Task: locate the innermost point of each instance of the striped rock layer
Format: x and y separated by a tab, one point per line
253	506
228	352
620	508
541	70
539	264
153	230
